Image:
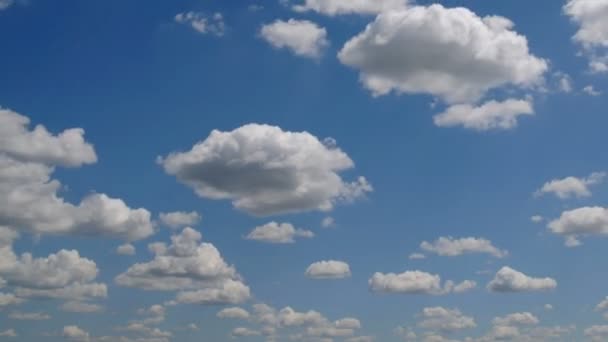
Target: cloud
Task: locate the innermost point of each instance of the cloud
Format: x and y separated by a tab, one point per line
241	331
126	249
330	269
592	34
518	318
328	222
273	232
414	282
203	23
340	7
445	320
302	37
491	115
267	171
448	246
571	186
180	219
417	256
583	221
597	333
590	90
29	198
234	313
196	269
537	219
74	333
510	280
81	307
450	53
29	316
8	332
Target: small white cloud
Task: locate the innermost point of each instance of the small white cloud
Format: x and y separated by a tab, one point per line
126	249
340	7
590	90
571	186
203	23
8	333
585	221
180	219
488	116
328	222
510	280
302	37
449	246
274	232
81	307
74	333
29	316
234	313
445	320
537	219
417	256
414	282
518	318
330	269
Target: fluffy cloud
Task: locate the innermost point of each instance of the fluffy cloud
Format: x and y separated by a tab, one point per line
126	249
234	312
203	23
267	171
301	37
571	186
592	34
414	282
518	318
273	232
75	333
590	90
445	320
488	116
81	307
29	198
338	7
448	246
510	280
197	269
330	269
180	219
580	222
597	333
242	331
449	53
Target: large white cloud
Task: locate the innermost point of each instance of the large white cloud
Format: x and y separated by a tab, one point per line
338	7
580	222
266	171
491	115
571	186
592	35
29	197
450	53
449	246
328	269
301	37
194	268
415	282
510	280
274	232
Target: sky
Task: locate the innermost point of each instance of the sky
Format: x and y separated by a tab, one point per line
303	170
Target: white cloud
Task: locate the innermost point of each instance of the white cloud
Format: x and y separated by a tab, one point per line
29	316
203	23
449	53
597	333
583	221
301	37
537	219
510	280
234	312
592	33
241	331
448	246
465	286
7	299
196	269
180	219
329	269
491	115
414	282
590	90
339	7
445	320
417	256
571	186
81	307
29	198
8	332
328	222
518	318
126	249
75	333
267	171
273	232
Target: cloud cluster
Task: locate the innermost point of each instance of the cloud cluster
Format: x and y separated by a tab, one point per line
265	171
583	221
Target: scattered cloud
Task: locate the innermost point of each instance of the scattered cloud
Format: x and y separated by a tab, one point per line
203	23
234	313
449	246
445	320
414	282
273	232
590	90
510	280
592	34
126	249
492	115
585	221
330	269
302	37
571	186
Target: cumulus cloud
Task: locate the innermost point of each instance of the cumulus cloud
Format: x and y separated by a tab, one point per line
492	115
518	318
302	37
203	23
265	171
126	249
234	312
330	269
510	280
242	331
187	265
414	282
537	219
445	320
449	246
417	256
571	186
340	7
180	219
29	316
274	232
451	53
29	198
592	34
597	333
583	221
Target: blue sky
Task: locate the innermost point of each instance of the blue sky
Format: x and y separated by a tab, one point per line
396	123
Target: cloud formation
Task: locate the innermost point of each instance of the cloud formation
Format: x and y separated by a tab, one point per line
302	37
